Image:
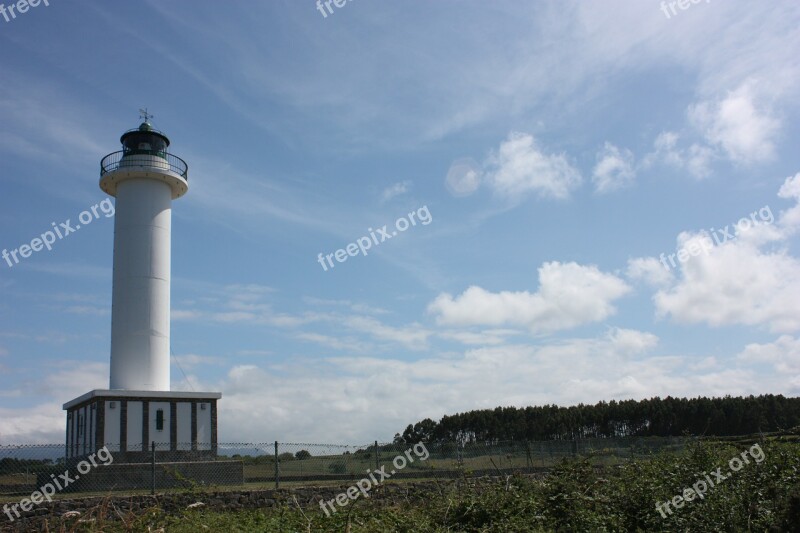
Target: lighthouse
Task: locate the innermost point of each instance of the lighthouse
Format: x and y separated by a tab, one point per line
139	412
145	179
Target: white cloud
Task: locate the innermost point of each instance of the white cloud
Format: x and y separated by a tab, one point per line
414	336
187	361
783	355
790	219
357	307
88	310
748	278
666	148
45	421
791	187
246	304
358	399
735	283
649	270
487	337
396	189
696	159
705	364
741	124
569	295
183	314
259	353
349	344
40	424
632	342
520	167
614	169
239	303
740	274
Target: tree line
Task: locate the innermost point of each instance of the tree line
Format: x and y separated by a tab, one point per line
655	417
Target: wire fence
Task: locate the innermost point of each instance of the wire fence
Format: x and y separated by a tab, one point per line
52	472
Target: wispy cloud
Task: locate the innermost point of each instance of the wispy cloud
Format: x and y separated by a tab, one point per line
398	189
614	169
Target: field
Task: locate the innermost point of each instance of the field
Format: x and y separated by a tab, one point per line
445	461
761	494
329	464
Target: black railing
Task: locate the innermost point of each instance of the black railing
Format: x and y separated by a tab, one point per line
114	161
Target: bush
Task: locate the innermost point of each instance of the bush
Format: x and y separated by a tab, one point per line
789	519
337	468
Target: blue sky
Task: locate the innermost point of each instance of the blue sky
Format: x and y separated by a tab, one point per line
559	147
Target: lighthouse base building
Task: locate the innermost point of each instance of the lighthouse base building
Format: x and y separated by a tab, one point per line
182	426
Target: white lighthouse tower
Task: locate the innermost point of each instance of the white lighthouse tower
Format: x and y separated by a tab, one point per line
139	410
145	179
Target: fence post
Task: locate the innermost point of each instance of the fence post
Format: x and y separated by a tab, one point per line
528	456
377	460
277	468
153	469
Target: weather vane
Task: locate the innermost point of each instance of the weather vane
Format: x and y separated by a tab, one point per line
145	115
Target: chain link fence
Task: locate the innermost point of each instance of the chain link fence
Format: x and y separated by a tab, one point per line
53	473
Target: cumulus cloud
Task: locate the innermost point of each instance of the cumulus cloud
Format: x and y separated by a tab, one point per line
735	283
519	166
741	123
614	169
790	219
750	279
631	341
783	355
649	270
569	295
791	187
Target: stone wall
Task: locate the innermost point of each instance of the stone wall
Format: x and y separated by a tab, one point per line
130	476
387	494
